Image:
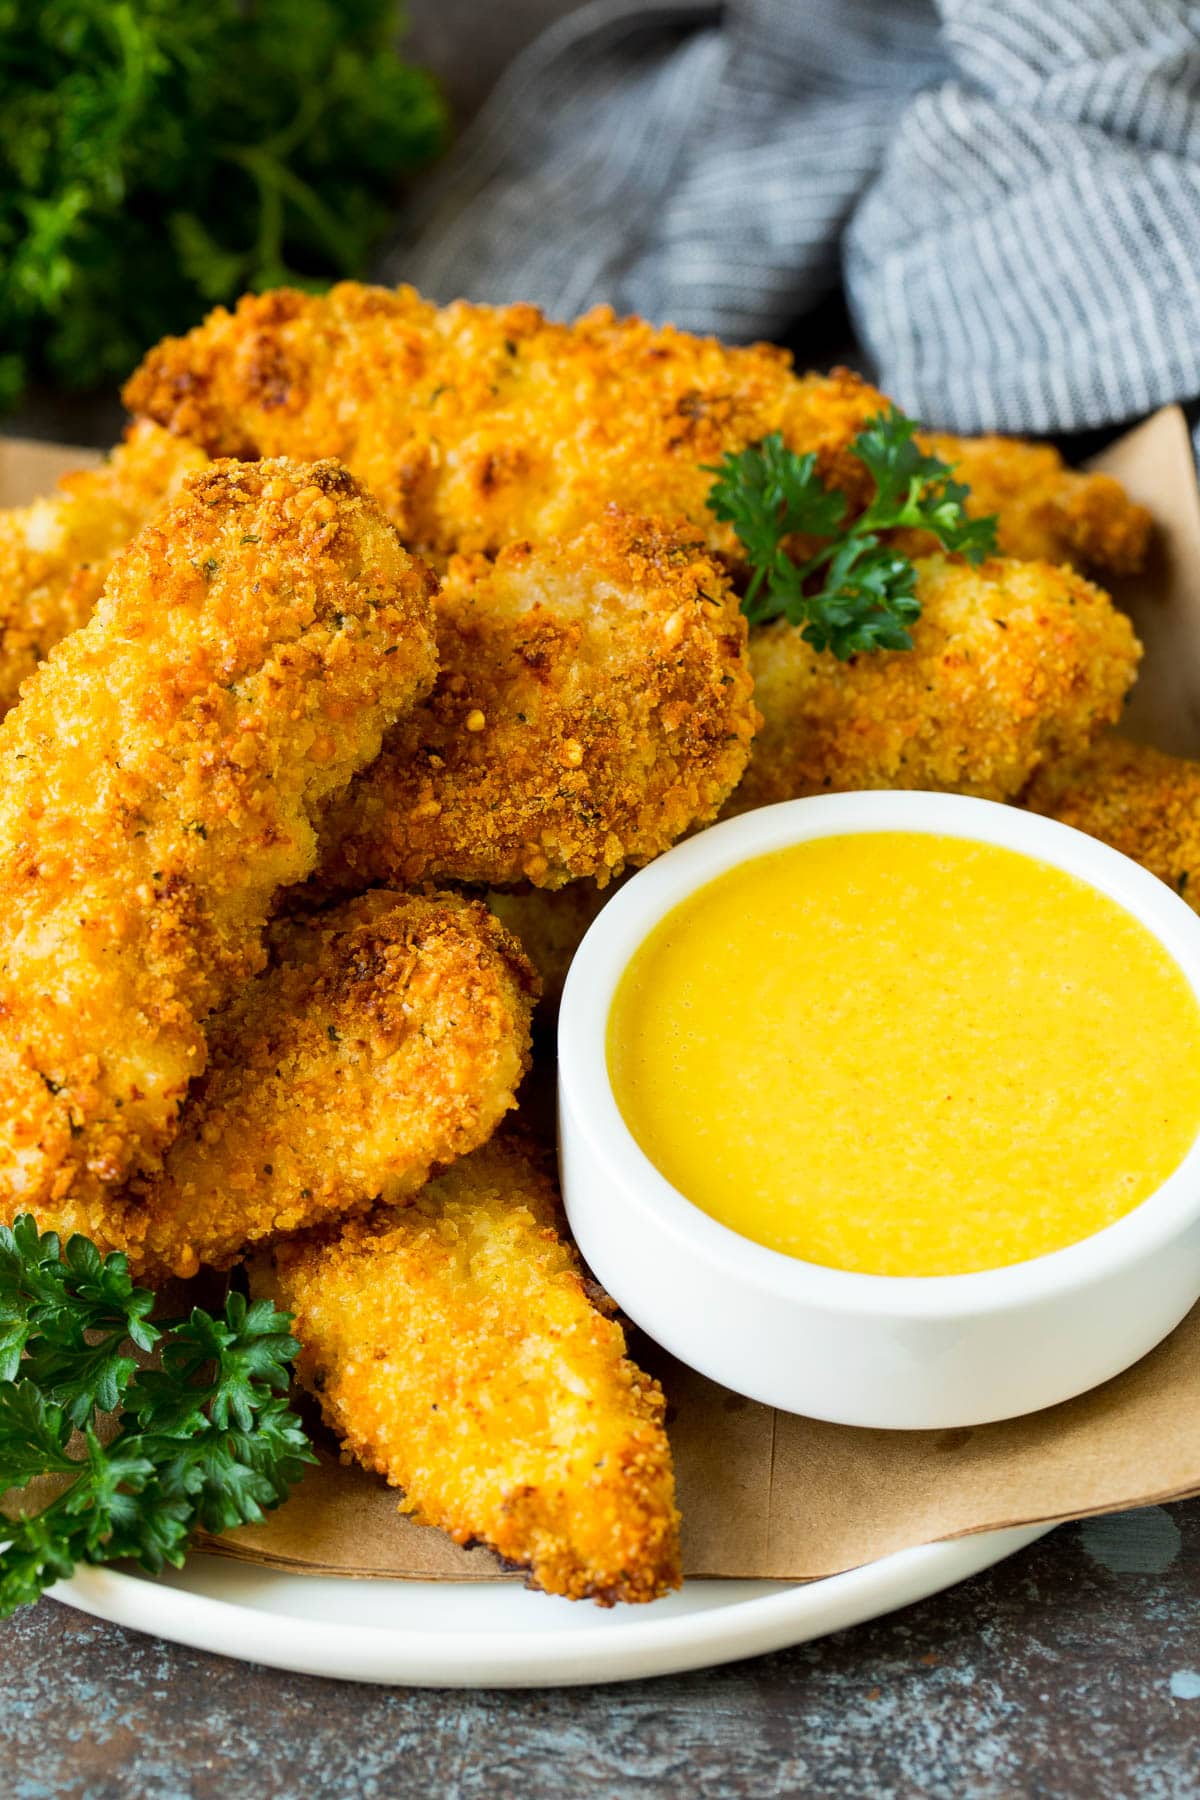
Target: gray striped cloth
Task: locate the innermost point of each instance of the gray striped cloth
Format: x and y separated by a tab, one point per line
1009	190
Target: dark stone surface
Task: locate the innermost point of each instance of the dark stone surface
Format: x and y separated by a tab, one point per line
1073	1669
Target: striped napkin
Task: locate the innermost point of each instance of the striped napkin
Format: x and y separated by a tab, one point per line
1008	189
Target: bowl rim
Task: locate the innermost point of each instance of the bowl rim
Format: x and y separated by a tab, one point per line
586	1094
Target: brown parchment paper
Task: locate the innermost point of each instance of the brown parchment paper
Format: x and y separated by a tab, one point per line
765	1493
29	467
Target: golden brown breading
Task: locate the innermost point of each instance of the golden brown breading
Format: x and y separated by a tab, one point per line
1012	663
455	1348
549	924
477	426
593	703
1139	800
158	783
388	1036
55	555
1048	512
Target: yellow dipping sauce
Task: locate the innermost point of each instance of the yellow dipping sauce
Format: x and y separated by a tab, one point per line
907	1054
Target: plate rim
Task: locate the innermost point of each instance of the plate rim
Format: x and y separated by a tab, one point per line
640	1647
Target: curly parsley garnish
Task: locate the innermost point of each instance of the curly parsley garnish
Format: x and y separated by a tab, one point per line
205	1439
855	593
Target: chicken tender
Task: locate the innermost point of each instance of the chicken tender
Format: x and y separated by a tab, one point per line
593	703
55	555
456	1348
477	426
159	781
1013	664
1139	800
388	1036
1048	512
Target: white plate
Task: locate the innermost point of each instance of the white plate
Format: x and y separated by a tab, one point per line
462	1634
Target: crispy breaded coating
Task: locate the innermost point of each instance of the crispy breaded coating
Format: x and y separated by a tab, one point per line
477	426
389	1035
456	1348
159	781
1139	800
593	703
1012	664
1048	512
550	924
55	554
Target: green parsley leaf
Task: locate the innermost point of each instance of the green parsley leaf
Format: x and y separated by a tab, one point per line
206	1439
69	1315
856	593
916	491
767	493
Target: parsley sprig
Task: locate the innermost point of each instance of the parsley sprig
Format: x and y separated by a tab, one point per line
856	593
205	1439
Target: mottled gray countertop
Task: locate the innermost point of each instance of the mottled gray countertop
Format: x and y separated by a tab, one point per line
1073	1669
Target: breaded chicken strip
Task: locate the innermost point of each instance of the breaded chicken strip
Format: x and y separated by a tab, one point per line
593	703
158	782
56	554
479	425
456	1348
1012	664
476	426
1139	800
1048	512
388	1036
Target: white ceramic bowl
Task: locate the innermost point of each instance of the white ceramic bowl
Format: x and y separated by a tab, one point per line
875	1350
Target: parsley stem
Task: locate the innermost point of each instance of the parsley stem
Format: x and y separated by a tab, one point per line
756	581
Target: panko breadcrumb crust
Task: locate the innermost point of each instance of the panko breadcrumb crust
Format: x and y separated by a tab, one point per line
389	1036
550	924
1141	801
159	781
480	425
1012	664
56	553
1046	511
593	703
456	1348
477	426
